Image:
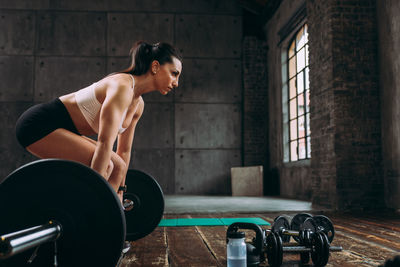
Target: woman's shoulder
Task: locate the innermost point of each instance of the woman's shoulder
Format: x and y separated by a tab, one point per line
120	81
115	84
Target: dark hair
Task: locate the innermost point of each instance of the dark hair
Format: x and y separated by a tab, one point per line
143	54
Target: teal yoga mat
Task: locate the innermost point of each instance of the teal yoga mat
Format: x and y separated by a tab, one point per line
209	221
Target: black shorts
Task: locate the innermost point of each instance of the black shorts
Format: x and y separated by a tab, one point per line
42	119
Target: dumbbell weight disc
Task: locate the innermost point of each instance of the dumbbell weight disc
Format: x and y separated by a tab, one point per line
325	224
326	249
148	207
304	240
298	220
274	250
309	224
320	249
281	222
280	249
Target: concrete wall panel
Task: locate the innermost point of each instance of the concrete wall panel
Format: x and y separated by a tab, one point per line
205	171
209	36
125	29
155	128
12	154
159	163
207	126
210	81
56	76
92	5
115	64
86	36
16	76
206	6
23	4
17	32
197	6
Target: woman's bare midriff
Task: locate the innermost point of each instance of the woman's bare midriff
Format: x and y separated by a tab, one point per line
76	115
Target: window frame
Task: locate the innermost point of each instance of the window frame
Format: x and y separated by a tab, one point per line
288	34
294	133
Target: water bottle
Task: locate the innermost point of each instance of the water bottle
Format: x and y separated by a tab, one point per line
236	249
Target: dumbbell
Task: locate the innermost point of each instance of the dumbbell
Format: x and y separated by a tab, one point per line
282	227
301	221
319	248
302	228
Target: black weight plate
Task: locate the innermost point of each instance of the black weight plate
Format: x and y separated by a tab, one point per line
279	250
272	249
281	222
78	198
317	252
325	254
148	207
298	220
325	225
309	224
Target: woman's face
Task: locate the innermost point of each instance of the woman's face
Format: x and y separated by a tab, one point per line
167	76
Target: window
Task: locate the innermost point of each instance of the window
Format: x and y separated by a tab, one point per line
296	98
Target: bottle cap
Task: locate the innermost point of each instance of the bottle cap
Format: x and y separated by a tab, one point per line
235	234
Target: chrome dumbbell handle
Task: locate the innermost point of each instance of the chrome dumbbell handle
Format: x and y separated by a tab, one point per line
299	249
285	232
290	232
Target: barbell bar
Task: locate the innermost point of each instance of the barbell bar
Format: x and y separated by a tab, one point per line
14	243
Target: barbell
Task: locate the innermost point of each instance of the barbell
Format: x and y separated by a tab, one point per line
56	211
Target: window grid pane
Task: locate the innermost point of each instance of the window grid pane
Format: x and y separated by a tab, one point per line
292	67
300	105
299	97
292	88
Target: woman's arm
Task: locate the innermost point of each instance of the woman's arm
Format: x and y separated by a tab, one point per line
125	140
117	99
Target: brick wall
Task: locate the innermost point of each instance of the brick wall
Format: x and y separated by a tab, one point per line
389	84
345	111
254	102
255	109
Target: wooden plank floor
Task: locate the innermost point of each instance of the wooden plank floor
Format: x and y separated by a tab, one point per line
367	240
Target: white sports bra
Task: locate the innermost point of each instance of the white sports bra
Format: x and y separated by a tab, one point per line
90	106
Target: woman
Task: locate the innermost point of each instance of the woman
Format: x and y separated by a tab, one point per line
110	108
